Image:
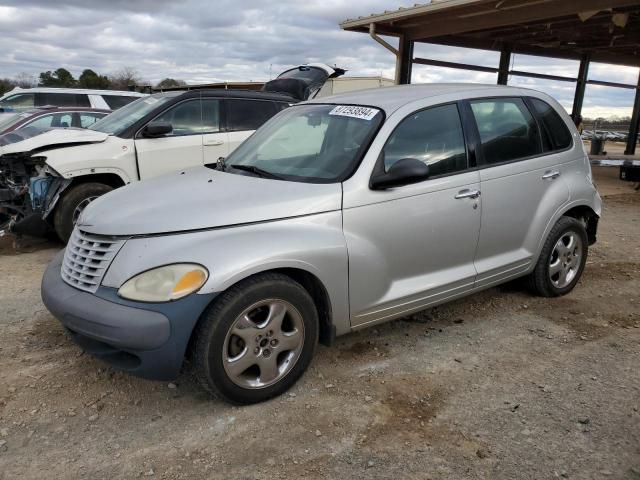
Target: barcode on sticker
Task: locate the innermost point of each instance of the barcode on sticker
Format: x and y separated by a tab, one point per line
365	113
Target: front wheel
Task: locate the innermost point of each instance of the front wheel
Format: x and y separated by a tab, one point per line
256	340
71	205
562	259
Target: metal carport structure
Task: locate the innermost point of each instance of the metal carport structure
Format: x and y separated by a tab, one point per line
606	31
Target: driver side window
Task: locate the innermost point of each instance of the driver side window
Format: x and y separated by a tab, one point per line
433	136
185	118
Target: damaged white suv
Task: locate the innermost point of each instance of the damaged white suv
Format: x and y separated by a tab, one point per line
335	215
48	179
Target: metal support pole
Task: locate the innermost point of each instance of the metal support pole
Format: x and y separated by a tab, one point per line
581	85
505	62
635	124
404	63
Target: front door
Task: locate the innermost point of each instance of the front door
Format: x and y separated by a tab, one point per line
215	141
180	149
415	245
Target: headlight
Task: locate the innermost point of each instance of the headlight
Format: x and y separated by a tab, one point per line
164	284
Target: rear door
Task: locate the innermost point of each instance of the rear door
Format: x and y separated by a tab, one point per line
520	191
244	116
182	148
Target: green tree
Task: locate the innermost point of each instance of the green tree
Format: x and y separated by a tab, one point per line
170	82
6	85
90	79
60	78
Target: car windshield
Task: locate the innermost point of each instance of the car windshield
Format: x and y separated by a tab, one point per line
8	120
115	123
309	143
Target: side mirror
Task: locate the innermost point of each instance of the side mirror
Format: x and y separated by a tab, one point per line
156	129
403	172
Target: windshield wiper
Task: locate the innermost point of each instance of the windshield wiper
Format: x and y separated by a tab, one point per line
256	171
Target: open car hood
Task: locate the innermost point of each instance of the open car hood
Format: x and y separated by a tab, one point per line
303	81
202	198
55	137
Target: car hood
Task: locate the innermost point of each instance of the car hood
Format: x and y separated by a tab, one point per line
202	198
57	137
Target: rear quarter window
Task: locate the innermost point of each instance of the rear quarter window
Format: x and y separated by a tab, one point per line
63	99
117	101
554	131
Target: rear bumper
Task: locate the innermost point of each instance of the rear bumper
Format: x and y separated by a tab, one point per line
146	339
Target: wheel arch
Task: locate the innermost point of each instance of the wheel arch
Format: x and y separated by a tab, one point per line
112	179
587	216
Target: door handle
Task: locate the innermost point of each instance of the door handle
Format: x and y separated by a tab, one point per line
213	143
550	174
466	193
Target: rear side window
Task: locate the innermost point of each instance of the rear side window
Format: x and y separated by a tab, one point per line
554	130
20	100
63	99
433	136
117	101
507	130
248	114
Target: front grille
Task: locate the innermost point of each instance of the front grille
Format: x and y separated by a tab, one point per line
87	258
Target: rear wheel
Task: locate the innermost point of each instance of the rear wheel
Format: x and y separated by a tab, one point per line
562	259
256	340
71	205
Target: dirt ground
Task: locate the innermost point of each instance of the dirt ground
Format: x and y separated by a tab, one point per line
501	385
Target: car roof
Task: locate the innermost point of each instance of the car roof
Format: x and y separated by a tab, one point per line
390	99
87	91
54	109
233	93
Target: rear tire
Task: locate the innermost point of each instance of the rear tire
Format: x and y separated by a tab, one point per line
562	259
71	205
256	339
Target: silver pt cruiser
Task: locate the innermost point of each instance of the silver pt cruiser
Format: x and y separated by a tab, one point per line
336	215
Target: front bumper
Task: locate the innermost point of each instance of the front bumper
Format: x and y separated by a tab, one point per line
146	339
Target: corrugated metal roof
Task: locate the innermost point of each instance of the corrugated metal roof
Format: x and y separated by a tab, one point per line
403	12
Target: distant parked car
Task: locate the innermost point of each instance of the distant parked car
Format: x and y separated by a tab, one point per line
337	214
25	98
157	134
50	117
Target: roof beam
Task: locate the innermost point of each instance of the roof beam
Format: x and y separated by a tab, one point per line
569	53
504	15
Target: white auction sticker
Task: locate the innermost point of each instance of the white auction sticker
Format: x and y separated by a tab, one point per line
365	113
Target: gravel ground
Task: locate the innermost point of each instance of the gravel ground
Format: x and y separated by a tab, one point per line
498	385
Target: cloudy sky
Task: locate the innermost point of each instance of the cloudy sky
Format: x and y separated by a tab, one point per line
204	41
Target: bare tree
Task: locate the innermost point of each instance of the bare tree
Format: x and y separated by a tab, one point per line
124	78
25	80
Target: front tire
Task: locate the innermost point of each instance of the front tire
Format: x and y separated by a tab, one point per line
562	259
71	205
256	340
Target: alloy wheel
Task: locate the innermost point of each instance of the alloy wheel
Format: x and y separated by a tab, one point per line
565	260
263	344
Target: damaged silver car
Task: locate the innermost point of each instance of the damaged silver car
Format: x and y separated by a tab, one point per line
337	214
